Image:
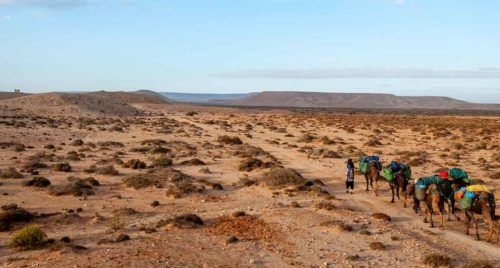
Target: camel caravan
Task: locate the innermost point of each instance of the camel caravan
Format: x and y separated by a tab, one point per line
431	194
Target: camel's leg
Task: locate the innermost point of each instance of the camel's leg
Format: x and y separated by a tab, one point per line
397	192
428	212
392	190
475	224
490	235
366	178
467	222
376	187
450	209
437	206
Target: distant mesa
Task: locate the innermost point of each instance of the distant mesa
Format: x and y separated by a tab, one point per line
101	102
355	100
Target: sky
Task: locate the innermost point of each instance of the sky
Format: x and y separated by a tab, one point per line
404	47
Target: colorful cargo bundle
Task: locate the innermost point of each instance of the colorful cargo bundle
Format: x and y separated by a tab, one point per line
364	160
465	195
394	167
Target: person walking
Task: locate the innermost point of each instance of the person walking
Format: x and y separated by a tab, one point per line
349	183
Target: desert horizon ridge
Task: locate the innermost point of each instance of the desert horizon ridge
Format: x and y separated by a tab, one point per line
137	179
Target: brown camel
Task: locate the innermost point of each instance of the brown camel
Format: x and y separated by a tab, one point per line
399	181
410	192
372	174
433	202
484	205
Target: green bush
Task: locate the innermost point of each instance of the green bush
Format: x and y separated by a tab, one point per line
162	161
30	237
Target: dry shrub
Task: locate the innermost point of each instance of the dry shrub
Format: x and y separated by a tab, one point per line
143	180
77	142
381	216
247	151
282	177
457	146
325	205
229	140
121	212
30	237
73	156
162	161
339	225
13	214
376	246
156	178
307	138
107	170
324	153
134	164
37	182
354	257
193	162
62	167
246	182
158	150
10	173
495	175
182	221
437	260
180	188
479	264
75	187
110	144
33	164
372	142
92	181
116	223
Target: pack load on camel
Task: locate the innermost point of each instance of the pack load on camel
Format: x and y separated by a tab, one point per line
456	174
394	167
466	195
423	183
364	160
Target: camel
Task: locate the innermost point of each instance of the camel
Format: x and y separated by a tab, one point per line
400	181
433	202
372	174
483	205
410	192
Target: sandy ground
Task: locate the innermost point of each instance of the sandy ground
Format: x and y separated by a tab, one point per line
283	227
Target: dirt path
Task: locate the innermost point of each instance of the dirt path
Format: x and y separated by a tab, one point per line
452	239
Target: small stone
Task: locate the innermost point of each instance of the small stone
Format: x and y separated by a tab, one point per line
231	239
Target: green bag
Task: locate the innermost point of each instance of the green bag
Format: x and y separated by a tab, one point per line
407	172
431	180
389	176
465	203
457	173
363	165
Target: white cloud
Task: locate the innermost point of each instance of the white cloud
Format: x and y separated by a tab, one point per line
339	73
56	4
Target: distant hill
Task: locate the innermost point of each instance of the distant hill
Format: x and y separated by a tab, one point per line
11	95
202	97
154	94
355	100
102	102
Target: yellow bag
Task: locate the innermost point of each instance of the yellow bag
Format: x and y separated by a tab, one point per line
478	188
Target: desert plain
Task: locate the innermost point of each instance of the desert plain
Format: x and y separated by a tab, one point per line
122	180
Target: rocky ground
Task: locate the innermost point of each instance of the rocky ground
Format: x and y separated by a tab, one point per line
186	186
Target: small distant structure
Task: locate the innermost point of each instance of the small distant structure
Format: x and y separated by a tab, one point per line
17	91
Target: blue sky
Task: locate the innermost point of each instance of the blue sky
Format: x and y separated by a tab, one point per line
411	47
